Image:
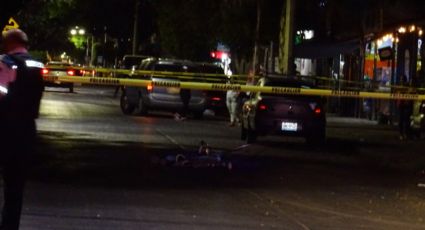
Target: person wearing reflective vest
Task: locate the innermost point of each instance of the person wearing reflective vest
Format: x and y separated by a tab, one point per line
21	89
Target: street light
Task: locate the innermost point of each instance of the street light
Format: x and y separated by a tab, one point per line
78	37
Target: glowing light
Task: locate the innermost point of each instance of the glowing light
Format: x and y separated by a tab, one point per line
308	34
3	89
402	30
73	32
34	64
81	32
421	32
412	29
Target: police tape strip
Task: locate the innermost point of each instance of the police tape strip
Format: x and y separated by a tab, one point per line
235	87
210	77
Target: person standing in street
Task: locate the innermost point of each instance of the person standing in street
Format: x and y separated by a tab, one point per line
22	84
185	96
405	109
232	106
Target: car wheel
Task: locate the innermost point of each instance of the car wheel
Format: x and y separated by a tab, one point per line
142	108
125	105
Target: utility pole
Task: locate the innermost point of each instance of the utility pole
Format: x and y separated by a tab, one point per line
257	37
286	40
136	27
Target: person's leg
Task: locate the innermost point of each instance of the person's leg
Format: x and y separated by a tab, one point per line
404	122
185	96
185	109
21	143
233	111
229	107
14	182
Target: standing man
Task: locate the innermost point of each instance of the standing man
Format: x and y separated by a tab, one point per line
232	106
185	96
22	84
405	109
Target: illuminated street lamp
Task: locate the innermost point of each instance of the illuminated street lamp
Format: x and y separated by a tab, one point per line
79	38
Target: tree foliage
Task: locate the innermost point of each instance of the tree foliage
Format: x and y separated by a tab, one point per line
192	28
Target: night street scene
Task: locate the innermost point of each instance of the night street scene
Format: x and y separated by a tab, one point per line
212	114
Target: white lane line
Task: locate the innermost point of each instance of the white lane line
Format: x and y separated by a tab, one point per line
172	140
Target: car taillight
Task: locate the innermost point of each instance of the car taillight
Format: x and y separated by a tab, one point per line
44	71
262	107
317	111
216	99
149	88
70	72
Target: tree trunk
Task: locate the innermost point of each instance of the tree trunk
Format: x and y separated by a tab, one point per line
257	37
286	40
136	27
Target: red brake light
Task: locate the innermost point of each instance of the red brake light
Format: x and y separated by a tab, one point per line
216	99
149	88
70	72
317	111
262	107
44	71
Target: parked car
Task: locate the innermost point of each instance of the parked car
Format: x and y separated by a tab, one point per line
291	115
216	100
61	69
149	98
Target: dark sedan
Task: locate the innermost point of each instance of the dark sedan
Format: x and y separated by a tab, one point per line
270	114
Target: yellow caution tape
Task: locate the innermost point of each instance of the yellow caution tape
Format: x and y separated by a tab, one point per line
207	77
235	87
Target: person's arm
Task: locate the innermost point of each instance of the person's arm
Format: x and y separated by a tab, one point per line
7	75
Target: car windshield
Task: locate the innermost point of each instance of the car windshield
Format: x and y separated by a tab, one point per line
211	69
58	64
130	61
173	68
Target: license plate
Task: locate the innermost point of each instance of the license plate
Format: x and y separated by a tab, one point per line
173	90
289	126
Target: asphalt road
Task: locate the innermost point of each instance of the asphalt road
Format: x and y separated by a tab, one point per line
94	169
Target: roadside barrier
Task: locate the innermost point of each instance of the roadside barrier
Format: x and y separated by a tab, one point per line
132	82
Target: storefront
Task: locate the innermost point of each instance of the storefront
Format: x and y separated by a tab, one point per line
393	55
389	59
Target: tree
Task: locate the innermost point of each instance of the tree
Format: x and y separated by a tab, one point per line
9	9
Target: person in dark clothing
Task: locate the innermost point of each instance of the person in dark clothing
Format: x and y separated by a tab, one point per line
185	96
405	111
22	88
